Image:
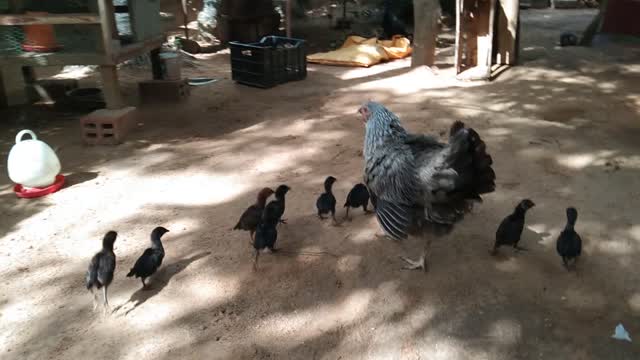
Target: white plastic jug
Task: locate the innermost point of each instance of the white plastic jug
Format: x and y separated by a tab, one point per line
32	163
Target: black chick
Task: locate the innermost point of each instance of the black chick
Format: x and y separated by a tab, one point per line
511	227
266	236
149	262
326	202
275	209
569	243
250	219
101	269
358	196
568	39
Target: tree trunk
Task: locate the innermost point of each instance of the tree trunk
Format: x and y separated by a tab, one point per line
426	14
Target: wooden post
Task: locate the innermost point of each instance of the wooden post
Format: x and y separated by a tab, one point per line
507	34
185	17
426	30
595	26
4	102
111	87
108	27
109	73
288	16
29	77
156	65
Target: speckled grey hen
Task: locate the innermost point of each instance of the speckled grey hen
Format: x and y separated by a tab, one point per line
419	183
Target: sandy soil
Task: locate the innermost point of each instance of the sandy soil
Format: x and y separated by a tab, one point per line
563	130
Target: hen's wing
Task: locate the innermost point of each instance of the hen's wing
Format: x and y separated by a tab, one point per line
419	171
393	185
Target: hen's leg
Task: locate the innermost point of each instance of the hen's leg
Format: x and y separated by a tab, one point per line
421	263
255	260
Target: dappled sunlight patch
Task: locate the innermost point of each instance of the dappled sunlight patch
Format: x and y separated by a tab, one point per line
366	234
577	80
533	153
582	298
361	72
505	331
534	123
156	345
348	263
411	82
607	87
288	330
510	265
282	160
577	161
634	232
580	161
20	311
208	294
616	246
547	233
196	189
498	131
634	302
145	317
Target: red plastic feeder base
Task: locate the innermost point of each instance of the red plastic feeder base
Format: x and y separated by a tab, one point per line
28	193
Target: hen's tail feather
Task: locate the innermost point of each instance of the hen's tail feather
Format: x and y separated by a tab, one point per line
131	273
483	175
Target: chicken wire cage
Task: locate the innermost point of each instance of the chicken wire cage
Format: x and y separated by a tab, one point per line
78	38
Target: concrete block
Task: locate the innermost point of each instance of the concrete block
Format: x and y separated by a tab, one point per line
155	91
107	127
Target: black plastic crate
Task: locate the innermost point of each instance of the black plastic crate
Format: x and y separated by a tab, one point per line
272	61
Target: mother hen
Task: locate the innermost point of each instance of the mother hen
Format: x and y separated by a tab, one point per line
419	183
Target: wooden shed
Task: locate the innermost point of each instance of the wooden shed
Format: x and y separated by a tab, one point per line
621	17
78	32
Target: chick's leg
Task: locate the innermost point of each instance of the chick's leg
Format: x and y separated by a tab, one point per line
105	300
95	299
346	216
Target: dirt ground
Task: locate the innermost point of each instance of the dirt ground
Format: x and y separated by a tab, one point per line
563	130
